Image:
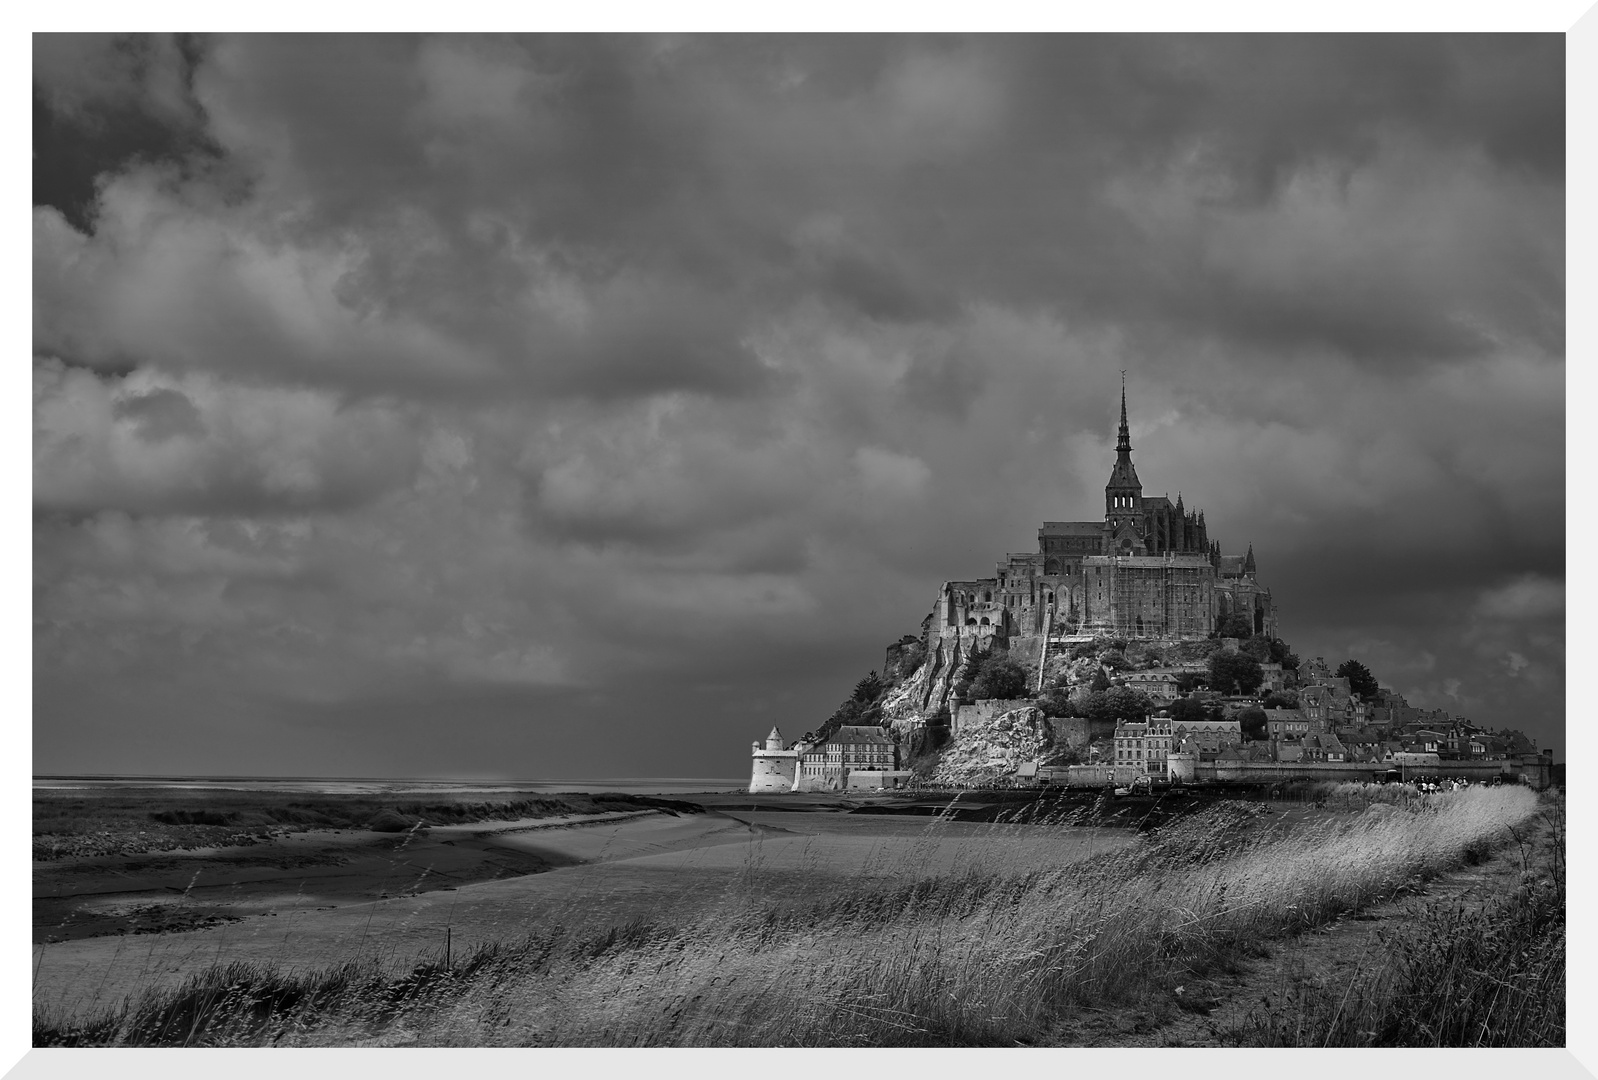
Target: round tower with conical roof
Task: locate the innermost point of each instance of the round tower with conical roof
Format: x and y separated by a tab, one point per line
775	767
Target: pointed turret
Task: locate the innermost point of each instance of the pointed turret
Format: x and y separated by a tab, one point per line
1248	560
1123	495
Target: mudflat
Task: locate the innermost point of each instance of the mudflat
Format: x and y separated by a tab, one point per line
107	926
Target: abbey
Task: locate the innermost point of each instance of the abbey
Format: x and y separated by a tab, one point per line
1147	570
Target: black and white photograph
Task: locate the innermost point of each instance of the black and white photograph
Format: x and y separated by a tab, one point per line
866	540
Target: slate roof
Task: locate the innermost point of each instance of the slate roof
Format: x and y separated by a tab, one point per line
856	733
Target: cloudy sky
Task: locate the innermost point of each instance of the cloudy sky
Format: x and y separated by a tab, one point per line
583	407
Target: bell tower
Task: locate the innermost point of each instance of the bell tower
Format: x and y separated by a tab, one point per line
1123	495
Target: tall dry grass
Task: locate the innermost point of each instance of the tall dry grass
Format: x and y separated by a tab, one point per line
991	956
1463	973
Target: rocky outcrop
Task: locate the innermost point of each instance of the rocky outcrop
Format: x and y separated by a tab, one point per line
926	691
989	752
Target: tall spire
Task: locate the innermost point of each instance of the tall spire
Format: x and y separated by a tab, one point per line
1124	441
1123	495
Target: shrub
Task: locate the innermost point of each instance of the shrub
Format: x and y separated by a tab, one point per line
999	677
1281	699
1235	671
1235	625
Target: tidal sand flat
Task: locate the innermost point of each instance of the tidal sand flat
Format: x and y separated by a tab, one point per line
107	926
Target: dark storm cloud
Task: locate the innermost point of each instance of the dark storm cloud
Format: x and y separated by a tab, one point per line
160	415
683	191
544	376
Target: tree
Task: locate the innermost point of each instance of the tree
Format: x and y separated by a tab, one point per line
1236	625
1360	679
1101	681
1056	700
1117	703
1281	654
1188	680
1235	670
1253	722
869	688
1187	709
1259	647
1281	699
999	677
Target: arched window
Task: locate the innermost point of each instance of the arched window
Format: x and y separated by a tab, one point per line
973	622
985	621
987	596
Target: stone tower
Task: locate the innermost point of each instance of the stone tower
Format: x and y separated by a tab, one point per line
1123	495
774	768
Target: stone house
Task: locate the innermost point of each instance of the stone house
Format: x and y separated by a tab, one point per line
1287	724
1158	683
1208	736
1324	748
851	747
1145	745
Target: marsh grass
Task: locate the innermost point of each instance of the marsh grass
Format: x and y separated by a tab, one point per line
1461	974
989	955
139	820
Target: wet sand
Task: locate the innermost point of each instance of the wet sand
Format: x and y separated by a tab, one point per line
321	898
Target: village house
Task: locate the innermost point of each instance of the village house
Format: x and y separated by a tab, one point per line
1324	748
1158	683
851	748
1287	724
1209	737
1130	737
1145	745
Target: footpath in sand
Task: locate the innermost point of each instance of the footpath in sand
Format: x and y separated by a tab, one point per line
1219	1010
316	899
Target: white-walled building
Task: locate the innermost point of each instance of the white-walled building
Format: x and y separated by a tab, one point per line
776	767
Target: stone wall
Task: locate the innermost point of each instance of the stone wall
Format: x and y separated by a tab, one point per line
985	711
1078	732
774	770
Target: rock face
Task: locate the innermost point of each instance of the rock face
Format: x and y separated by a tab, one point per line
926	690
989	752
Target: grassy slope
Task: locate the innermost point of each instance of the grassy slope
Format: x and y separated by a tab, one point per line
983	959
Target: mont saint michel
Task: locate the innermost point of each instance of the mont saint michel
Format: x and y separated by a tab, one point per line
797	540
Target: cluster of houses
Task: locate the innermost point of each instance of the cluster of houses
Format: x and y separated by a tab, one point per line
1331	725
854	756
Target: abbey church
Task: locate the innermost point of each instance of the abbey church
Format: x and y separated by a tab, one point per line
1147	570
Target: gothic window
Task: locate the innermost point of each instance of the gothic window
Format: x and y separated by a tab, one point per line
987	596
985	621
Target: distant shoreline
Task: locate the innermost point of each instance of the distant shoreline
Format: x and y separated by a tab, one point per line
649	785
